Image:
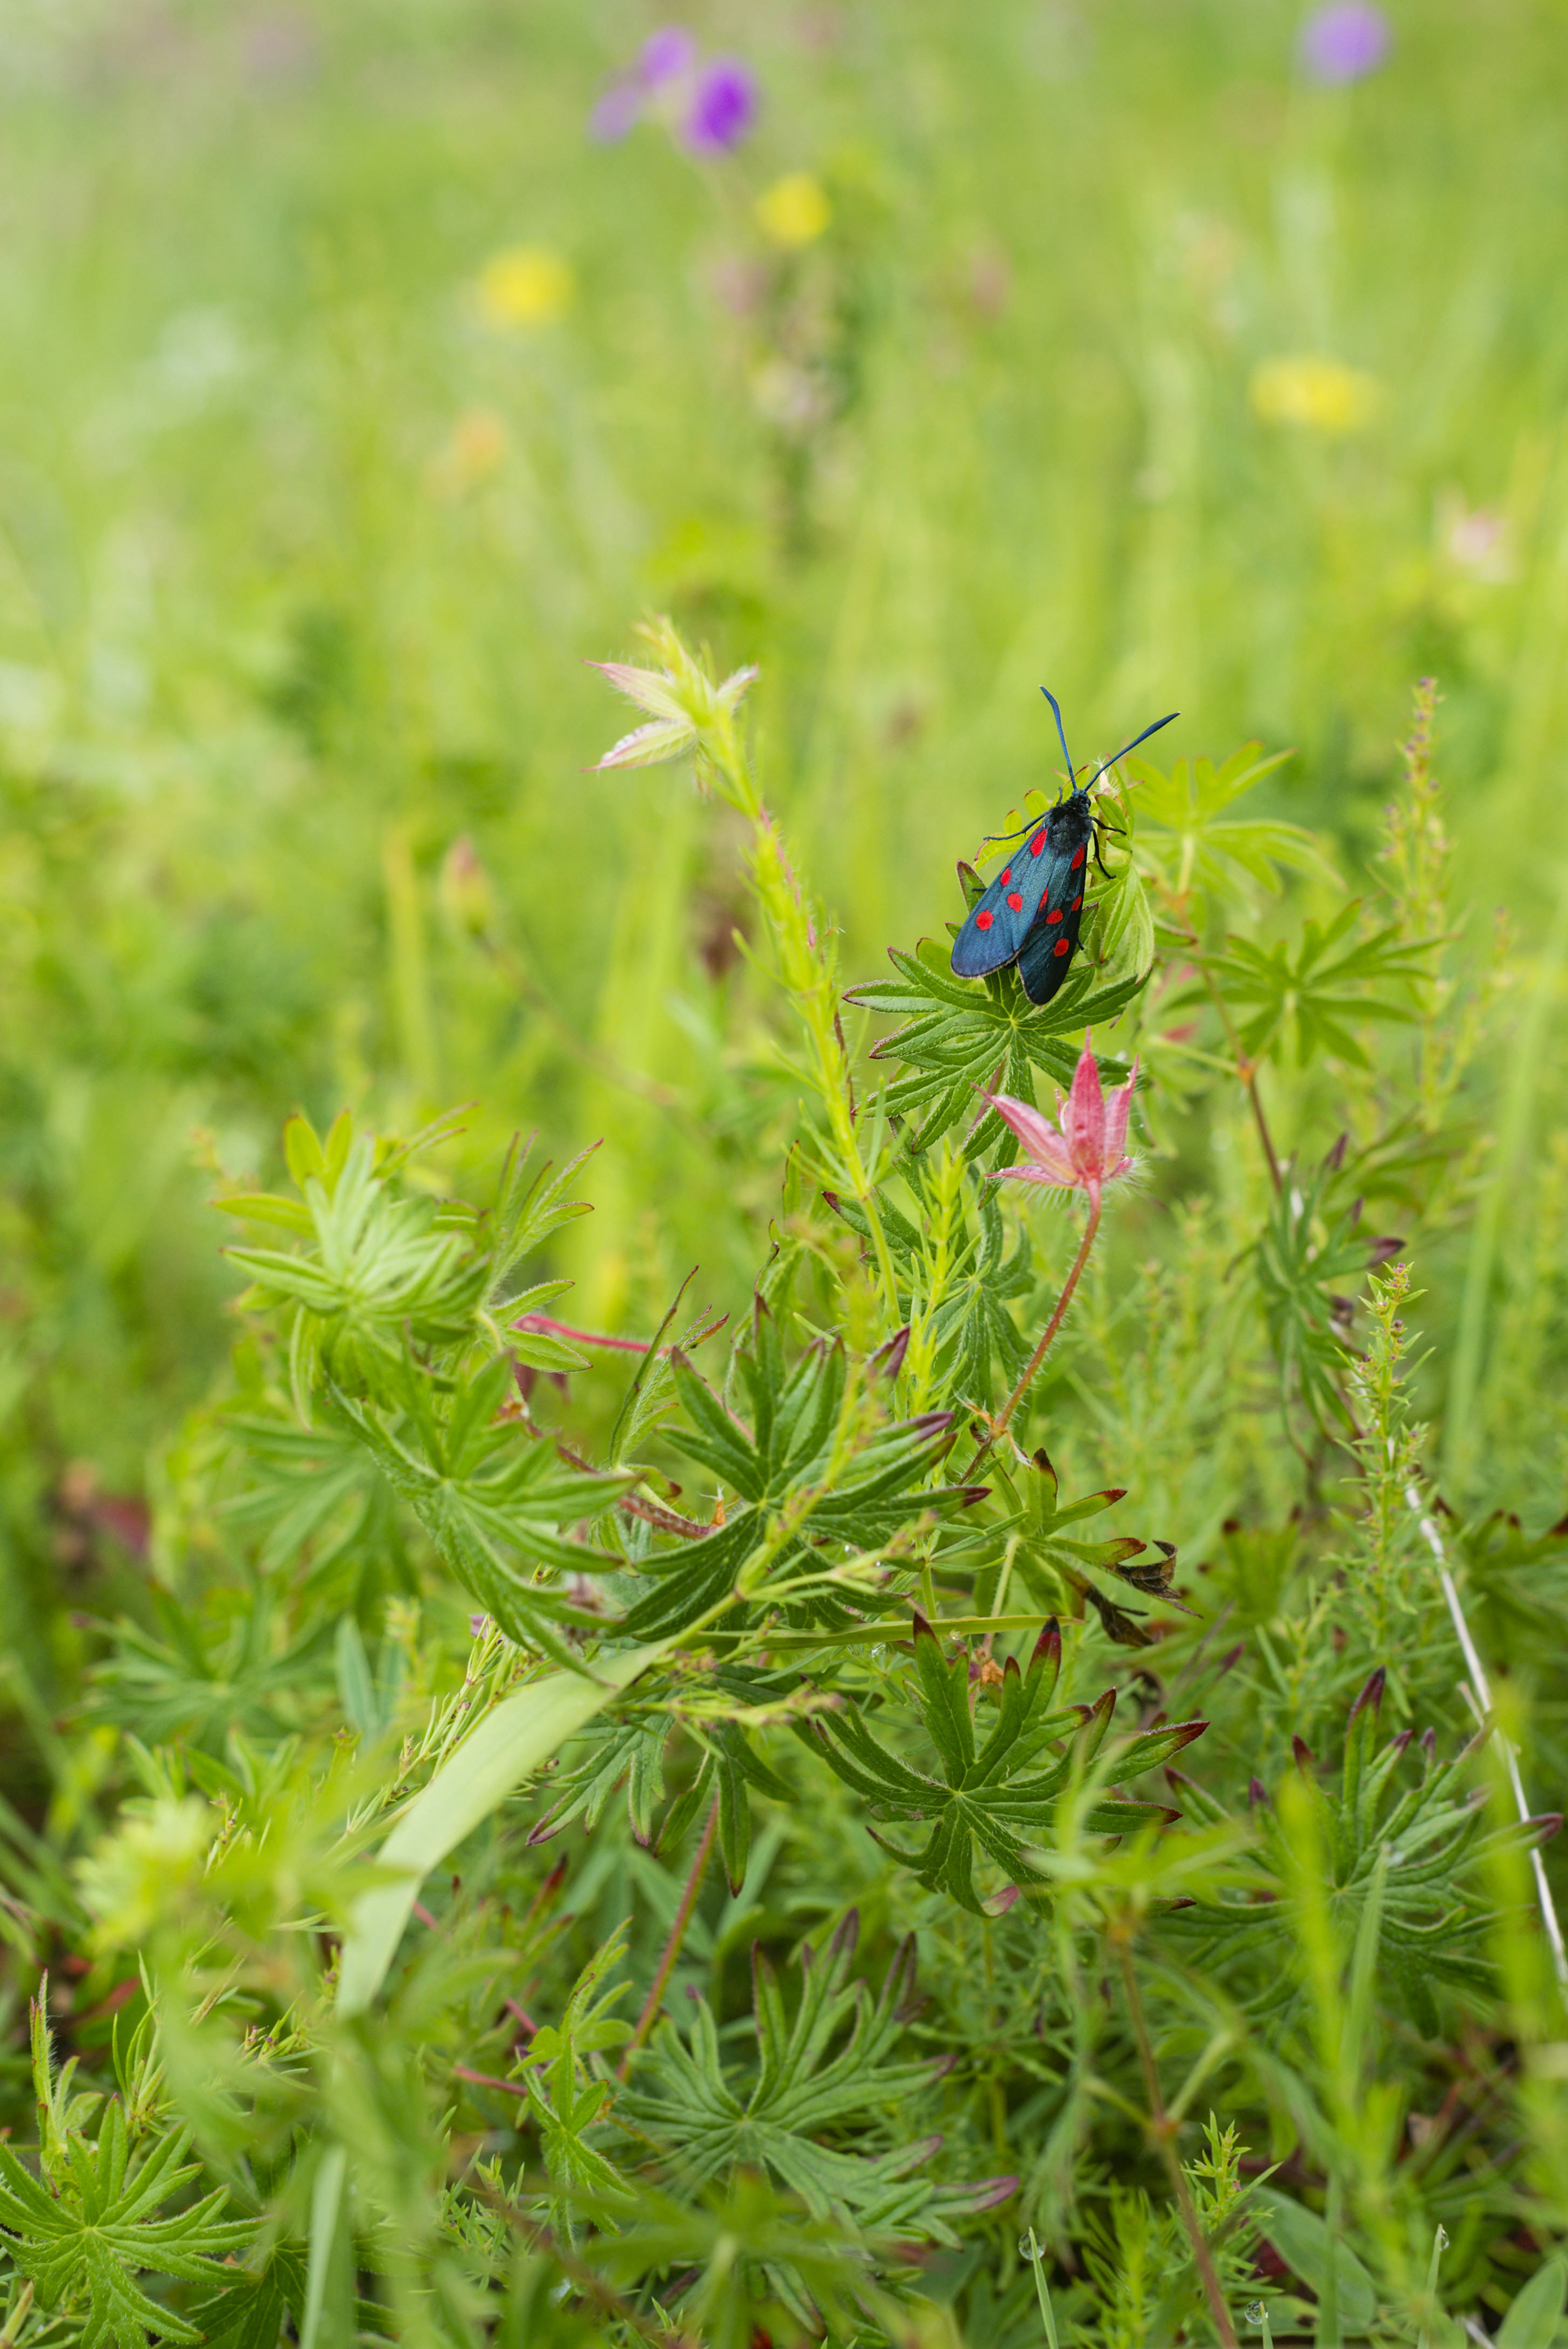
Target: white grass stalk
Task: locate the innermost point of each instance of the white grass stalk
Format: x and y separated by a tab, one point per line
1480	1692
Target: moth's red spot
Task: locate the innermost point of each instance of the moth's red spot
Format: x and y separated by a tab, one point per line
1077	902
984	921
1016	902
1053	916
1077	858
1063	946
1037	844
1006	876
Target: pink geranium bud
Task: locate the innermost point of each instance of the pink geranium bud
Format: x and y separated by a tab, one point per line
1085	1148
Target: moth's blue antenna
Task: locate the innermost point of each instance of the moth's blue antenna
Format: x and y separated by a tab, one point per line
1061	729
1126	746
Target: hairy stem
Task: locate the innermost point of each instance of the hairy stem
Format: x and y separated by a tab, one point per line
1163	2130
807	970
999	1425
672	1948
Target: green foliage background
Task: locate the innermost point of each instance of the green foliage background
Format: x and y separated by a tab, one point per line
300	554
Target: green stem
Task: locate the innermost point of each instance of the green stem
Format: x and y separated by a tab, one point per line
808	976
1162	2127
1037	2260
999	1426
671	1948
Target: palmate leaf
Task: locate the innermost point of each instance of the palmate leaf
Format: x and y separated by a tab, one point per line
250	2312
89	2232
992	1800
1427	1841
487	1493
1515	1583
1049	1560
311	1485
529	1210
832	2070
1302	1258
1195	841
1315	994
379	1273
566	2097
633	1750
962	1037
819	1464
978	1280
743	2264
208	1677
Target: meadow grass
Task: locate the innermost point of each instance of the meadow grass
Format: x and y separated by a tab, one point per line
354	398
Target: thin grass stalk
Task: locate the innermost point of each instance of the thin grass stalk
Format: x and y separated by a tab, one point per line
1480	1692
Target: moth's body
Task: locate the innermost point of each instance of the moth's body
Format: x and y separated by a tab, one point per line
1032	913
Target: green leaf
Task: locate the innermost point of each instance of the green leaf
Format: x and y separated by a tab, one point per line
566	2098
93	2228
1315	994
486	1492
1303	2243
312	1490
266	1207
247	2314
523	1732
812	2082
529	1210
1535	2311
819	1462
380	1276
1302	1262
1195	841
990	1806
1409	1851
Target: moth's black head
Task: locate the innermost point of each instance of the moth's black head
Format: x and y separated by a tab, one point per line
1072	820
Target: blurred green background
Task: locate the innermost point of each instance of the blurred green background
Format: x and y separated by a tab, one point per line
354	395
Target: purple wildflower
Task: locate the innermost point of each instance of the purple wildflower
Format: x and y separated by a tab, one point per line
1344	41
667	54
723	107
616	113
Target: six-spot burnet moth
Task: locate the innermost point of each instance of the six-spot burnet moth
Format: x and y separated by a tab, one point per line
1032	912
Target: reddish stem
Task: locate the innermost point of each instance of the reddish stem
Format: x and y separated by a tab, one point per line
541	1321
999	1426
1163	2129
488	2080
677	1933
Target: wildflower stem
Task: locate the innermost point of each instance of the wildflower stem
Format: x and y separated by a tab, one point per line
1164	2130
1248	1072
1000	1424
808	976
672	1948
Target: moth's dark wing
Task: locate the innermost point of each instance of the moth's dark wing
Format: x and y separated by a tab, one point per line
999	924
1046	953
1046	956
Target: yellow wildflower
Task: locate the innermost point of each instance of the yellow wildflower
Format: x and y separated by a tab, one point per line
795	210
1323	394
526	286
